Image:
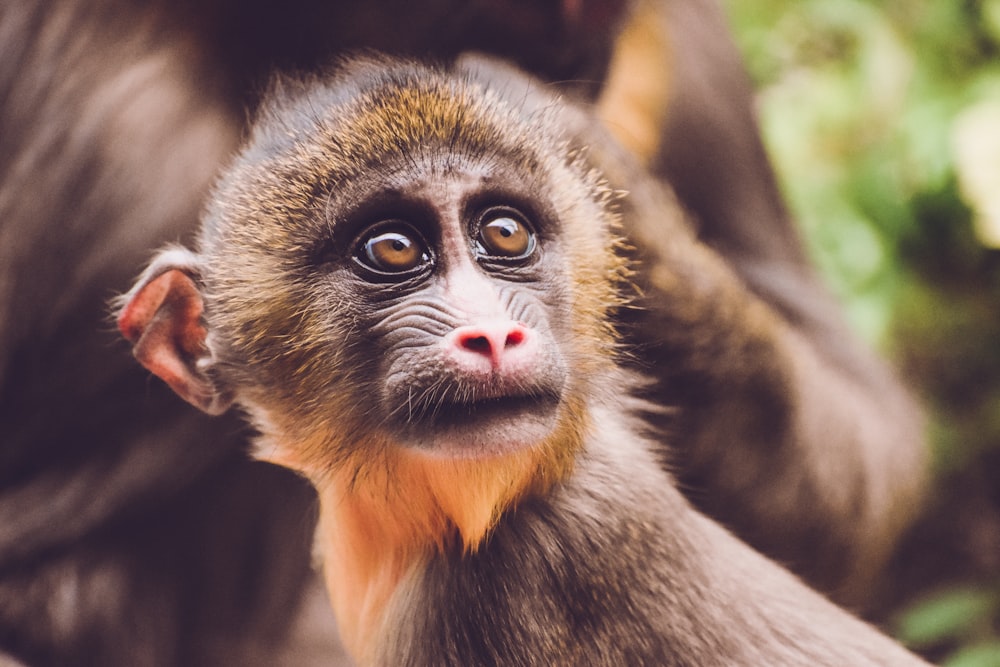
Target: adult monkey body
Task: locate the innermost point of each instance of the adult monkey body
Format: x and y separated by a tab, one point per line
405	280
113	118
807	447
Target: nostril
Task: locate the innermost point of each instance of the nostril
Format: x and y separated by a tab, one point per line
477	344
514	337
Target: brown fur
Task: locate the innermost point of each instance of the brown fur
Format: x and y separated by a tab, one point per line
638	87
380	523
454	554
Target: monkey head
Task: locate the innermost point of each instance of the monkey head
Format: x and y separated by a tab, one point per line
401	266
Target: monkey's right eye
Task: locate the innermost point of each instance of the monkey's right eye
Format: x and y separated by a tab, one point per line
392	250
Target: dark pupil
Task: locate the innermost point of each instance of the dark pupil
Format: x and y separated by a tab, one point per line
506	237
393	252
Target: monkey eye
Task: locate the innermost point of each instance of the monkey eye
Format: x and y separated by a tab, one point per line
392	249
503	232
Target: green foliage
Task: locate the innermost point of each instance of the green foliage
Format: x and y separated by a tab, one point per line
858	102
985	654
959	613
883	121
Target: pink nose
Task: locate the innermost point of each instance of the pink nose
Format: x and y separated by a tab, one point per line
490	340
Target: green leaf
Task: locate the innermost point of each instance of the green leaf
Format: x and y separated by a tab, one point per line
985	654
952	614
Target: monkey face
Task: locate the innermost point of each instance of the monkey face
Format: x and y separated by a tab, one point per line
455	280
450	277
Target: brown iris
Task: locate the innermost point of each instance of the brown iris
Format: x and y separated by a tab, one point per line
504	234
394	250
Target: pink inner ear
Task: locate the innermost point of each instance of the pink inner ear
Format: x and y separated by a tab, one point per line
142	307
162	320
171	301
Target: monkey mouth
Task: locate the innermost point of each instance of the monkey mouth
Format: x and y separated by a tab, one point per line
490	408
486	426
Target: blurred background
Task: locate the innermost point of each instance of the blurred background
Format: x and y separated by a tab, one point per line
883	120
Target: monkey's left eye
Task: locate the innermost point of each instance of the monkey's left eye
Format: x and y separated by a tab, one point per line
393	249
504	233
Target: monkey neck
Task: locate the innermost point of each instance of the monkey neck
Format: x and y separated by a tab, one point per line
380	521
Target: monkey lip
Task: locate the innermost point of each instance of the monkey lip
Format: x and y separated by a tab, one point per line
493	406
485	427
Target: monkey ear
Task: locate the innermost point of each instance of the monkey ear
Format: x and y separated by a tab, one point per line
161	317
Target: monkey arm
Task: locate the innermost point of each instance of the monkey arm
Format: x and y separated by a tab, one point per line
789	429
817	463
